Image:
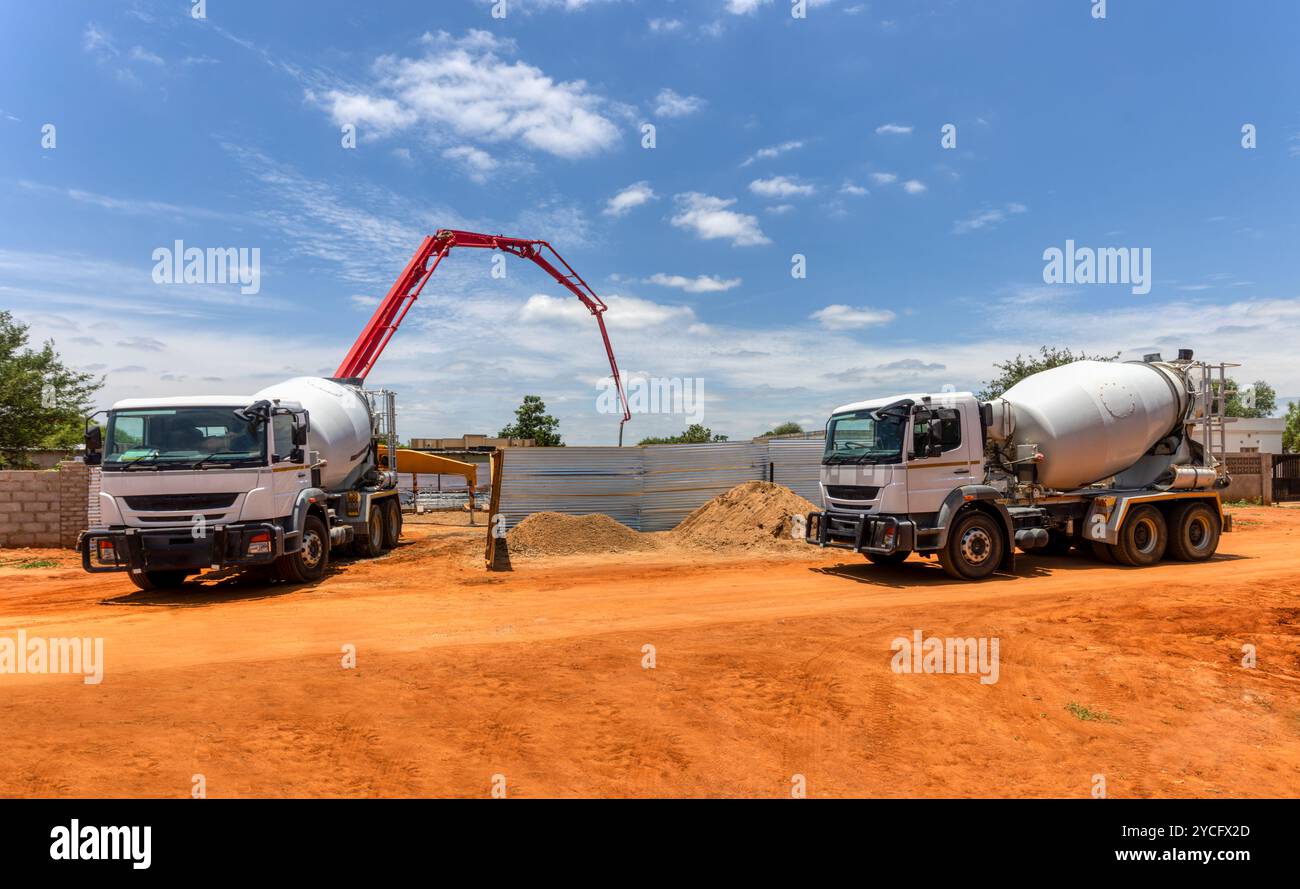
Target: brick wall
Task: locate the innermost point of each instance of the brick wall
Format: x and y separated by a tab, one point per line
1252	477
43	507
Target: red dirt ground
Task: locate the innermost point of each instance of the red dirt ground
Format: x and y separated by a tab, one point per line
767	666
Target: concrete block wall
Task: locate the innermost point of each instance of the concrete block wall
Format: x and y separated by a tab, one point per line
44	508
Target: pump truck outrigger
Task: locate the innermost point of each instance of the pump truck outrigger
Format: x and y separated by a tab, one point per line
276	480
1114	458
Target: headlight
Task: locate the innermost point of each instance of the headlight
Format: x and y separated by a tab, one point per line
105	552
260	543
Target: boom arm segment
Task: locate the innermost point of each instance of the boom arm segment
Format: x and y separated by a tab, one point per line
406	289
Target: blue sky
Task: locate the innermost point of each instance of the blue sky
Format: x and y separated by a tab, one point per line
774	136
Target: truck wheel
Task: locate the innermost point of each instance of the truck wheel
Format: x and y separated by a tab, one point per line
974	548
1143	538
1193	532
392	522
369	544
308	564
894	558
158	580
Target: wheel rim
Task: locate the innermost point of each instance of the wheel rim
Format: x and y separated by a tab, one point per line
976	546
312	549
1145	536
1198	533
377	533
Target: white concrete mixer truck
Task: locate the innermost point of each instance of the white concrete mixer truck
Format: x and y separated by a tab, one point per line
274	480
1113	458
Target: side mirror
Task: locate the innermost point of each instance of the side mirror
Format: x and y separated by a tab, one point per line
297	455
94	445
299	435
934	450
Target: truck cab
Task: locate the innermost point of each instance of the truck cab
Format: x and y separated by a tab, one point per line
896	470
902	455
189	483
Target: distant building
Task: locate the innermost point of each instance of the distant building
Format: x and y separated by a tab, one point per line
1248	436
469	443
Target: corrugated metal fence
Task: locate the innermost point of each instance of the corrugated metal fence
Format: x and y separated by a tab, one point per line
649	488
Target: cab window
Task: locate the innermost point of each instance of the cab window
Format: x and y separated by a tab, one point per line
947	427
282	426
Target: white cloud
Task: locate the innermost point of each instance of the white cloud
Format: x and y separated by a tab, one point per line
634	195
745	7
893	129
779	209
913	186
709	218
849	317
476	162
140	54
670	104
780	187
773	151
96	40
884	178
989	216
631	311
664	26
854	190
463	88
698	284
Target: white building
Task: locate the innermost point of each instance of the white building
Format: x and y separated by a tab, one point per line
1255	436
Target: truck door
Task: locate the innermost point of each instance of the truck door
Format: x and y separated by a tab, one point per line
940	449
287	477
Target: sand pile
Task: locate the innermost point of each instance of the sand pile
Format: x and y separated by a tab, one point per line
556	534
753	514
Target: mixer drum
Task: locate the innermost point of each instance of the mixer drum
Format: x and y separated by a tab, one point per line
340	425
1092	419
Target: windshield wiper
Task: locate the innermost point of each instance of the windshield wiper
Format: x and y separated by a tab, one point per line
146	461
199	464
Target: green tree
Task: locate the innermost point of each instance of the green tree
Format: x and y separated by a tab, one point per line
696	433
1022	366
789	428
43	402
1291	433
532	421
1261	402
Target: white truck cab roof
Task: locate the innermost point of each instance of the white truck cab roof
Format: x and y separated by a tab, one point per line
871	404
231	401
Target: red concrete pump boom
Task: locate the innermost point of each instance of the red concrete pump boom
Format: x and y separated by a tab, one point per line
406	289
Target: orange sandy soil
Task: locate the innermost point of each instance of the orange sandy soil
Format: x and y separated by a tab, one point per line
767	666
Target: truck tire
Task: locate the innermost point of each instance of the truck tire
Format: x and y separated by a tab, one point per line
974	548
1143	538
894	558
370	542
392	522
1194	530
308	564
158	580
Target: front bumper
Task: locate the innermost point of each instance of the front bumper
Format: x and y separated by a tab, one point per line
176	549
860	532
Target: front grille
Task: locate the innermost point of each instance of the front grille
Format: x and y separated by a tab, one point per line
172	502
852	492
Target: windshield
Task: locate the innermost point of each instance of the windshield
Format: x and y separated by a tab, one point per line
858	438
182	438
